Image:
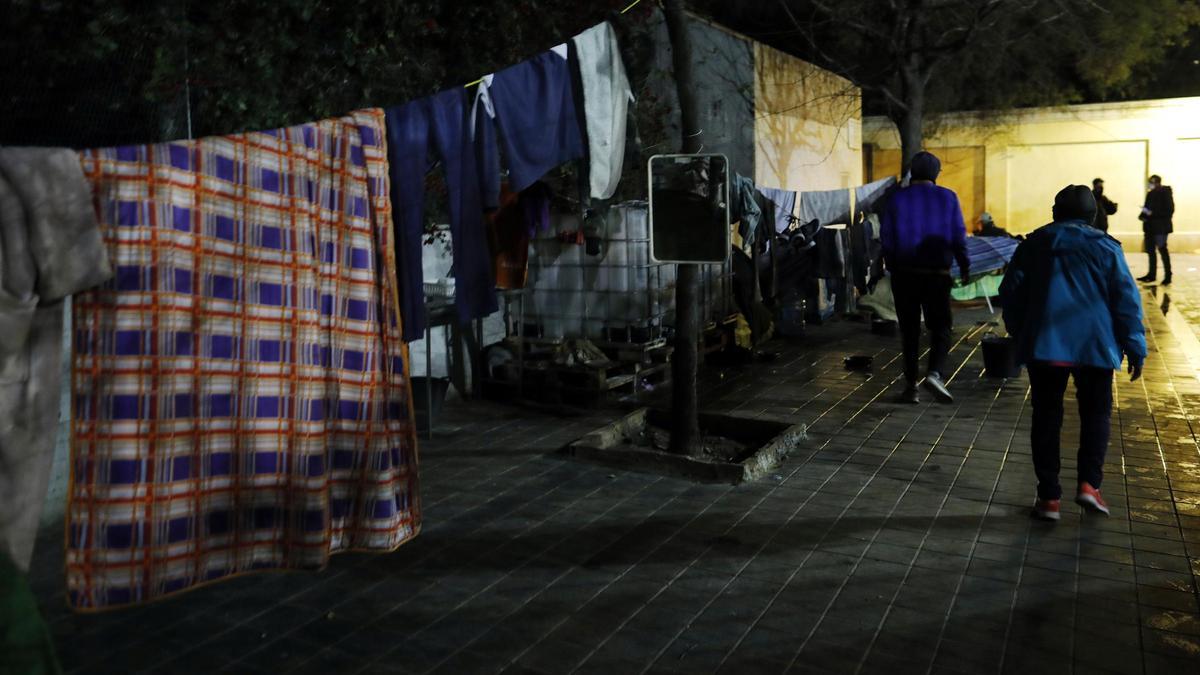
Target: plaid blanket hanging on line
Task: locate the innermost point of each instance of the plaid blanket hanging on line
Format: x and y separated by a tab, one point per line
240	388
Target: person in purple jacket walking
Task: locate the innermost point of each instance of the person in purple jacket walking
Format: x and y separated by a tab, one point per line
922	232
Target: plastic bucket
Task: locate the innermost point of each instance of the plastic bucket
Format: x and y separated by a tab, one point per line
1000	357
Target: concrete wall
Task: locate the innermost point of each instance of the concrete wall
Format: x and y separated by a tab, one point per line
962	171
808	125
724	75
1028	156
782	121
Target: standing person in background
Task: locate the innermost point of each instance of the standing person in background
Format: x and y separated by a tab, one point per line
1074	311
989	228
1156	224
1105	207
921	232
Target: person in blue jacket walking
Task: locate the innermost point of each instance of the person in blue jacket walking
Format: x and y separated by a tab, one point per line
1074	311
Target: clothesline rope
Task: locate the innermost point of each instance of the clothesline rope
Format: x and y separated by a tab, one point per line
633	4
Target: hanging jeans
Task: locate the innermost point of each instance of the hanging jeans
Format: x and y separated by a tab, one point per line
440	121
1155	244
1093	390
915	292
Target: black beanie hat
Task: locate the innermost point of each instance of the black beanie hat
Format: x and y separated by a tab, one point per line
925	166
1075	202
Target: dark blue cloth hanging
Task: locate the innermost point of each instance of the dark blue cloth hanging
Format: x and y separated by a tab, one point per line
487	155
536	117
440	122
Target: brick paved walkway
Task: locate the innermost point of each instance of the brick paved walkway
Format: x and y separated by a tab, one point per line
897	540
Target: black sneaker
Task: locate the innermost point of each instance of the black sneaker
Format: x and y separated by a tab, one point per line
1166	281
1148	278
933	382
910	395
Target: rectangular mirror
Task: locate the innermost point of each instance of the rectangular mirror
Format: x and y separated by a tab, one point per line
689	208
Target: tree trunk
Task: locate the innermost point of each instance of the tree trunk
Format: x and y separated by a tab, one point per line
685	411
911	120
909	125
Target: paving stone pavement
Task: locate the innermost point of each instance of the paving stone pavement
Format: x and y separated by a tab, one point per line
896	540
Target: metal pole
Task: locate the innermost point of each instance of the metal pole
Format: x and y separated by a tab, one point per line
428	380
521	349
477	385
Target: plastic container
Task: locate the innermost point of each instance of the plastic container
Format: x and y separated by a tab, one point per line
628	223
439	288
999	356
624	253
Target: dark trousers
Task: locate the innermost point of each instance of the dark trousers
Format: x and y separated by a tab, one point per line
1093	390
930	293
414	129
1157	244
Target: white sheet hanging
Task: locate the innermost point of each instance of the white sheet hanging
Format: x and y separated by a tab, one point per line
830	207
606	98
865	196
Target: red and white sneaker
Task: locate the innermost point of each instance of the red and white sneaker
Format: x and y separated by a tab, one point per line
1090	499
1047	509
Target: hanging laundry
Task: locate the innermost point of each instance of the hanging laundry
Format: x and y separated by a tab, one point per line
831	207
50	247
521	215
782	204
880	300
831	253
866	251
744	210
795	259
606	98
440	122
865	196
241	387
748	298
482	131
537	122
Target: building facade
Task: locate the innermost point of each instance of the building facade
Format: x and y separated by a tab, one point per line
1012	165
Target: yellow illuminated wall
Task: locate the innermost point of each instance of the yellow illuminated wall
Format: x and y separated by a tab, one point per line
962	171
808	125
1024	158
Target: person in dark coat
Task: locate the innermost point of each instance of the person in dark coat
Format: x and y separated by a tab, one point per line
1105	207
989	228
921	233
1074	311
1156	224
